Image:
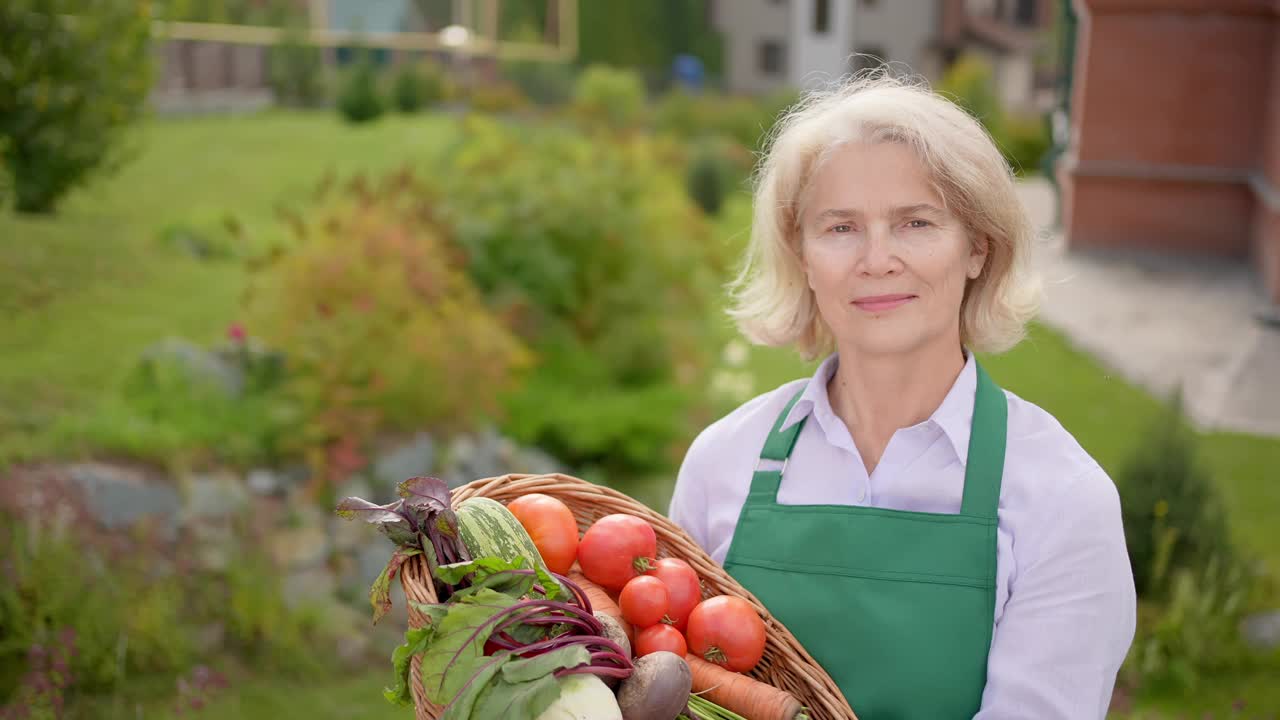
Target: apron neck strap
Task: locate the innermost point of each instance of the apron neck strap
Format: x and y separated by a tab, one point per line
777	447
983	471
987	435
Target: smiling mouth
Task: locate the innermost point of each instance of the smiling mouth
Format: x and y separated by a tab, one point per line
882	303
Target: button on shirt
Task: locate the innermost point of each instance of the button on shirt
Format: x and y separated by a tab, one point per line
1065	601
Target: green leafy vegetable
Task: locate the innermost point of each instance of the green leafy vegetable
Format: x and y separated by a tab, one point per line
420	522
456	650
521	691
380	593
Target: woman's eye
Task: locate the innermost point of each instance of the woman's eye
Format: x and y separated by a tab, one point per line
841	228
918	223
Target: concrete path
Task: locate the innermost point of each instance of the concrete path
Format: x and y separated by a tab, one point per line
1164	321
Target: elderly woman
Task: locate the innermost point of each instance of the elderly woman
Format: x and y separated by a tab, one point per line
942	547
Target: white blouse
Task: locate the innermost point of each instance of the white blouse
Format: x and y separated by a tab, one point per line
1065	601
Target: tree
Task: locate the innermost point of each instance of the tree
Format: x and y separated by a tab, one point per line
74	75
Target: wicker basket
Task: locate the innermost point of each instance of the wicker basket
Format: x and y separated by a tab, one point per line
785	664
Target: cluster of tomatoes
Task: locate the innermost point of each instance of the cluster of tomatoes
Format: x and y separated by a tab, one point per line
661	599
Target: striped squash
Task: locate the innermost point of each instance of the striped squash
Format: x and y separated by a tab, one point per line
489	529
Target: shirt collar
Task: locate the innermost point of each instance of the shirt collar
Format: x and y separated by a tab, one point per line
954	416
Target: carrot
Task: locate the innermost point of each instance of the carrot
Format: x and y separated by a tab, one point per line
741	694
601	602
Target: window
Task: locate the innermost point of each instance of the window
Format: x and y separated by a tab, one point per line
868	58
771	57
821	16
1025	12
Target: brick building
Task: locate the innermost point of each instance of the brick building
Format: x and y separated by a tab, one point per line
1175	129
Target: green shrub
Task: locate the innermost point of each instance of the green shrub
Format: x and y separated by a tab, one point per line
609	97
970	83
499	97
1169	499
193	406
135	609
417	85
380	326
359	101
708	178
1026	140
1194	633
545	83
746	120
125	615
297	70
69	89
594	253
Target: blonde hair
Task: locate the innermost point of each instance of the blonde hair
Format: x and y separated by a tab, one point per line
772	302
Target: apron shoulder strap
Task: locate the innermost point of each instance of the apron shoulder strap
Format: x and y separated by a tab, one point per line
985	467
777	447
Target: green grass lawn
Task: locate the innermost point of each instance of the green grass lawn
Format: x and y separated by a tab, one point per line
86	290
263	697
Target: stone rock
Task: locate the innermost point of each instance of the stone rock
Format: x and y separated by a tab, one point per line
264	482
1262	630
305	546
213	543
488	453
537	462
308	586
276	483
481	455
196	362
371	558
117	497
353	643
218	495
411	459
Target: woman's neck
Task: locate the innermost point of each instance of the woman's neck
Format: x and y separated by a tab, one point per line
876	395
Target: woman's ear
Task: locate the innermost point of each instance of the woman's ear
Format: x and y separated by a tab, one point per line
978	250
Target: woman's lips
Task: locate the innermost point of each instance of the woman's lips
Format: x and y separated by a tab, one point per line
882	303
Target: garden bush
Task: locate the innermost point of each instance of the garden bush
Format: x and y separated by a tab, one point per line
360	100
544	83
609	97
112	610
498	97
379	324
593	252
297	70
73	78
970	83
418	85
1172	511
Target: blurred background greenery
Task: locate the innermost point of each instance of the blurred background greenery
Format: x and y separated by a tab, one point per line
397	244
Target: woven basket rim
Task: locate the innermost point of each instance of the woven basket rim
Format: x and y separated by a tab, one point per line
784	658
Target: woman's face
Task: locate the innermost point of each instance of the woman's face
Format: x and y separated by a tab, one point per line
886	262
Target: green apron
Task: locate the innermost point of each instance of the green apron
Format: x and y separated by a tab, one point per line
897	606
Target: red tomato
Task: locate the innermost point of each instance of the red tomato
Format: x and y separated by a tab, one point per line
615	549
683	590
727	631
660	637
643	601
551	526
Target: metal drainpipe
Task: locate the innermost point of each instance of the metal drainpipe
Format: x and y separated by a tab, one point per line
1066	79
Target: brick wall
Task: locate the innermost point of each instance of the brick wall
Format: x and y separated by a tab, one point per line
1176	129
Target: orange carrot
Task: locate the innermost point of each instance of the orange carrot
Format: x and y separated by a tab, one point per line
601	602
741	694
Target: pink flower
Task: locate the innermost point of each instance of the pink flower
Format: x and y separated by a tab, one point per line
236	332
